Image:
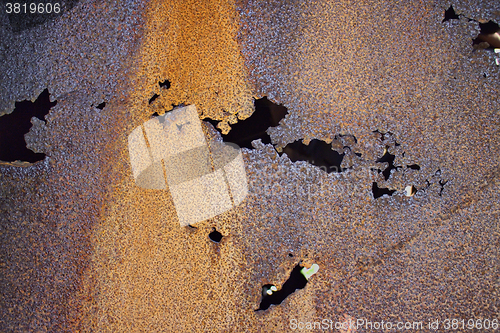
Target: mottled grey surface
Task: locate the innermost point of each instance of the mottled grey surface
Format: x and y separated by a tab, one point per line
84	249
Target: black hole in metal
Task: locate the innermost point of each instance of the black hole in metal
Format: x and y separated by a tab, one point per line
165	84
152	99
450	14
266	114
294	282
489	27
215	236
15	125
317	152
389	158
489	34
378	192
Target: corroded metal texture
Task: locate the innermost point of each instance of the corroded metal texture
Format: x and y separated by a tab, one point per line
85	249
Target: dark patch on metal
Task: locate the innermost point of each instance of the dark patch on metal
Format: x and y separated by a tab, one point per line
389	158
24	19
450	14
435	179
101	106
15	125
294	282
380	191
442	183
165	84
317	152
266	115
413	167
215	236
152	99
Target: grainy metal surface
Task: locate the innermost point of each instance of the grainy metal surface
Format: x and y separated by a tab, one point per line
84	249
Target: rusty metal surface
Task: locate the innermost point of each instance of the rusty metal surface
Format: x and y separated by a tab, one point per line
84	249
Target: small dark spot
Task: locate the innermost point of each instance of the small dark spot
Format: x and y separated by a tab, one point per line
358	154
180	126
101	106
215	236
294	282
450	14
414	167
290	255
155	115
190	226
15	125
378	191
442	184
152	99
165	84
